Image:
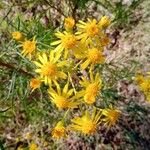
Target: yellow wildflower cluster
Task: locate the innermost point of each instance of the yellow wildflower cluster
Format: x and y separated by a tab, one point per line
33	146
28	46
144	84
79	49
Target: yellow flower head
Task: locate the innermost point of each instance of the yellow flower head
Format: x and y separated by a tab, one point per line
111	116
145	86
29	48
59	131
93	56
86	124
35	83
69	23
18	36
33	146
63	98
67	42
104	22
49	68
87	30
92	88
139	79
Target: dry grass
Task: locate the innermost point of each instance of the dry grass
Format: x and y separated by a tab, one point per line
129	52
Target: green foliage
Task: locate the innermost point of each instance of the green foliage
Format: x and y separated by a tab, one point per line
81	3
1	146
123	13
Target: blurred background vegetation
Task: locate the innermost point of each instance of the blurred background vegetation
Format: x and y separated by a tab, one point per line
23	112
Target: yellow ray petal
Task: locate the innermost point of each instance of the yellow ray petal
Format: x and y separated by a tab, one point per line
58	87
59	48
85	64
37	64
62	63
38	70
61	75
65	89
56	42
42	59
80	21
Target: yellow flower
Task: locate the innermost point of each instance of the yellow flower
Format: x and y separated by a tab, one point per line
59	131
111	116
139	79
49	69
29	48
33	146
67	42
35	83
63	98
92	88
145	87
88	30
69	23
144	84
18	36
86	124
104	22
93	56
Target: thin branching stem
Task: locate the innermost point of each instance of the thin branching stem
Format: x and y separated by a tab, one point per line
52	6
11	67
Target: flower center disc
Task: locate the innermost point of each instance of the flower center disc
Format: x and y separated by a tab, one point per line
92	30
94	55
62	102
89	127
92	89
49	69
29	46
69	41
